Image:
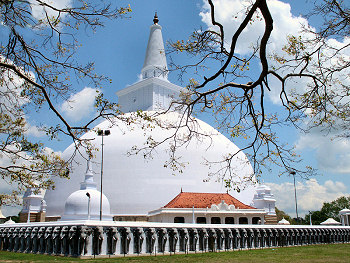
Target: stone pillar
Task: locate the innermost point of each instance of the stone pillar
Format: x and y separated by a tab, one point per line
21	239
85	241
203	239
269	237
137	240
15	234
126	239
212	240
228	239
151	240
193	239
263	234
132	245
163	241
73	237
104	245
41	240
173	239
297	237
10	239
287	237
1	238
183	240
220	237
64	240
48	240
257	238
113	240
143	241
244	238
27	240
56	241
5	239
236	239
250	238
97	240
282	238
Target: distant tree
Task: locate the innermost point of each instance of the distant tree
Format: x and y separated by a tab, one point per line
317	217
333	208
329	210
37	69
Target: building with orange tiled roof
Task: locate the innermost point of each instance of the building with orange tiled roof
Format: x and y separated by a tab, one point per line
204	200
207	208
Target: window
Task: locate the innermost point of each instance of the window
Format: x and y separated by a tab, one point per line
179	219
201	220
256	220
215	220
229	220
243	221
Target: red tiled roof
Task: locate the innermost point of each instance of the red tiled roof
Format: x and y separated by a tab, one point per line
204	200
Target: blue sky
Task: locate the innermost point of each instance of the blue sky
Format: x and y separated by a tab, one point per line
118	50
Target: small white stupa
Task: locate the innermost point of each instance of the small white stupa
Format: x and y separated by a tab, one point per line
84	204
283	222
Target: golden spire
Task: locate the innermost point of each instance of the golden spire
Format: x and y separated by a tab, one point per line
155	19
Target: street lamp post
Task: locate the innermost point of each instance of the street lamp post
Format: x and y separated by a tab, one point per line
295	195
310	213
89	196
102	133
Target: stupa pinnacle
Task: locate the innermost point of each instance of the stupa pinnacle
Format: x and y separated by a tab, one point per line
155	64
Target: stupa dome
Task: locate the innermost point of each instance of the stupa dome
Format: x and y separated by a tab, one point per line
135	184
85	203
76	206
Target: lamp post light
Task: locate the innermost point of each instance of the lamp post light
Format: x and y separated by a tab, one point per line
89	196
295	195
102	133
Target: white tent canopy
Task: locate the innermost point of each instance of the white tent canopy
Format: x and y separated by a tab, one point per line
330	221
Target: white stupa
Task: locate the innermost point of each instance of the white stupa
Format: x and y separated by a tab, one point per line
85	203
135	185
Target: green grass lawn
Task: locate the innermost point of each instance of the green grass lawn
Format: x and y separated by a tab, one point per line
316	253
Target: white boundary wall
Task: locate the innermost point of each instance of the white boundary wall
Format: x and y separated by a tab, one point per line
103	238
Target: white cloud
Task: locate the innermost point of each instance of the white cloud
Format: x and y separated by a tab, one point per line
80	105
34	131
310	195
232	12
38	10
332	155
